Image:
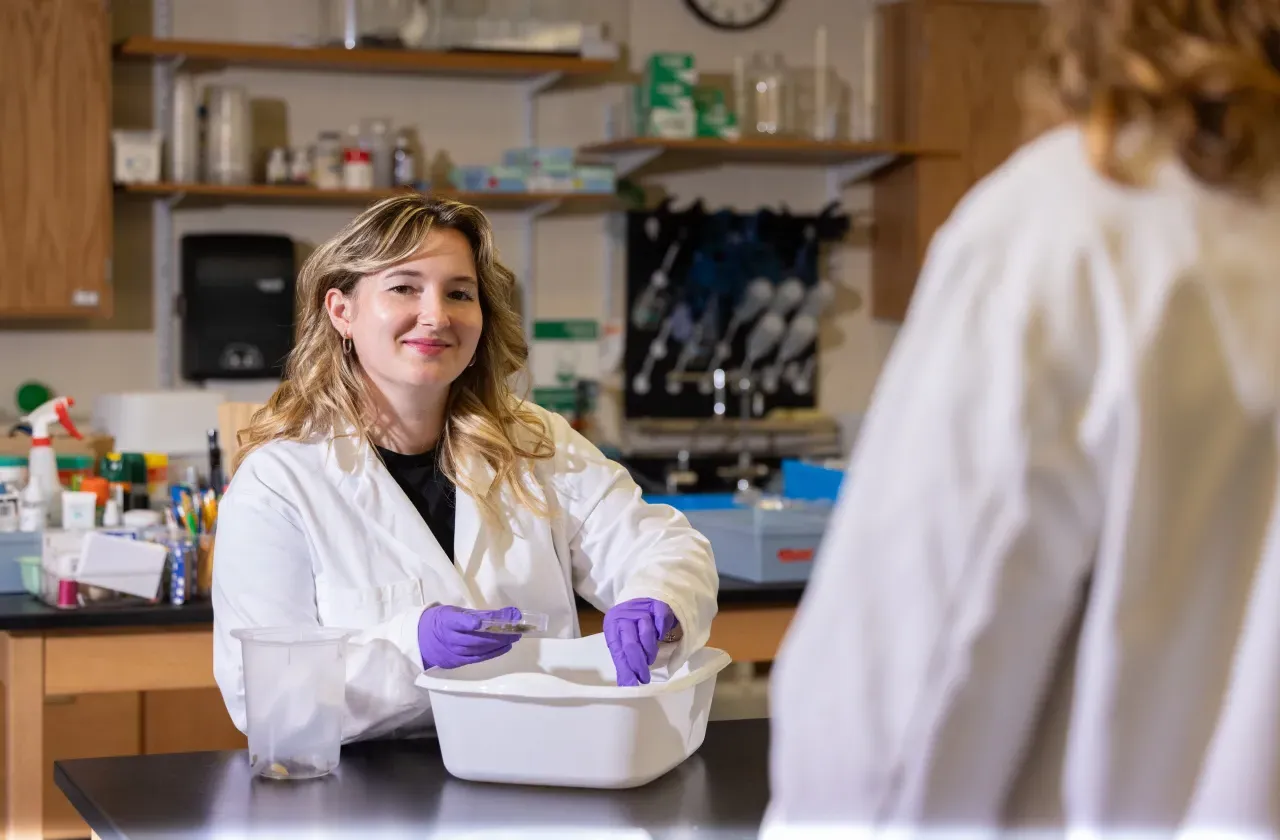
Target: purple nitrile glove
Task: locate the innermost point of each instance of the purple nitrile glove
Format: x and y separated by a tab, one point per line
632	631
449	636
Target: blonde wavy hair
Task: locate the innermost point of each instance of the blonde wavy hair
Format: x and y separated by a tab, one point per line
324	393
1203	75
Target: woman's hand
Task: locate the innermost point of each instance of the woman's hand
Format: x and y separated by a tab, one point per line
449	636
632	630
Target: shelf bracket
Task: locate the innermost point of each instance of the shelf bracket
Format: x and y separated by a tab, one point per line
173	199
537	211
847	173
164	263
538	84
625	163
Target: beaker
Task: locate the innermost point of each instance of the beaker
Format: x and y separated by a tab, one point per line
294	688
767	109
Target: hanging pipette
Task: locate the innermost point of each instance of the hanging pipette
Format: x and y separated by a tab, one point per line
758	295
800	334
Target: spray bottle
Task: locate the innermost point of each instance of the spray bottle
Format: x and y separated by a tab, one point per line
43	486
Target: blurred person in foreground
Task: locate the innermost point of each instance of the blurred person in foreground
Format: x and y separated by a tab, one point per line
1050	595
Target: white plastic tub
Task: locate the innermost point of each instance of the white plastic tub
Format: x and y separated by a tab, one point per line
550	712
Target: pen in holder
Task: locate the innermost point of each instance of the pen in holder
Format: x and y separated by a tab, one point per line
183	567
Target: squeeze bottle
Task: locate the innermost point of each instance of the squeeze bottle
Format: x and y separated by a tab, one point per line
42	466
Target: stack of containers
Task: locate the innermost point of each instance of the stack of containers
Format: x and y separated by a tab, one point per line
536	170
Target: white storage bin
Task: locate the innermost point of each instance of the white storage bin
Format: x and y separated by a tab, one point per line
550	712
175	422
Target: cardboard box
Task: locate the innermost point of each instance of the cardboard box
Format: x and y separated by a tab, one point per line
664	104
676	120
599	180
94	445
489	179
563	354
714	117
540	159
669	79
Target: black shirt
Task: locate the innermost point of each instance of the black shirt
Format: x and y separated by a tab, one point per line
431	492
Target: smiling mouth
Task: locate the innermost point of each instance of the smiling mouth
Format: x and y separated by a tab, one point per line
429	347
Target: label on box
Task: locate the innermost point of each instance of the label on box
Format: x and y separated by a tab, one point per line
795	555
671	69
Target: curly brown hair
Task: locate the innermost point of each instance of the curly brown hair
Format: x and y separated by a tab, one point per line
324	393
1203	75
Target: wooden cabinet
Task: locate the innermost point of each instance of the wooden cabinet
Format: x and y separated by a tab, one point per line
55	178
950	73
126	723
88	726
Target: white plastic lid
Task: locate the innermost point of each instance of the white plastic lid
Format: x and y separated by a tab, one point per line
140	518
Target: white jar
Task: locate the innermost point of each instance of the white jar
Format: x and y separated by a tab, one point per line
13	471
357	170
79	510
278	166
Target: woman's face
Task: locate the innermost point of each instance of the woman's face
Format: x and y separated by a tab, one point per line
416	324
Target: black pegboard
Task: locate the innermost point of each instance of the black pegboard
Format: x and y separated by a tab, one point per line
717	256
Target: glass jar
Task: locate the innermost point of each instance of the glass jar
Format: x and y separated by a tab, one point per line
767	110
327	173
376	134
370	23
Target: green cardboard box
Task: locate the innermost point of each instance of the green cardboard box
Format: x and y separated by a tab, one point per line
674	118
669	79
713	115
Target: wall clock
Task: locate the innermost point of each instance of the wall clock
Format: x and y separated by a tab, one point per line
734	14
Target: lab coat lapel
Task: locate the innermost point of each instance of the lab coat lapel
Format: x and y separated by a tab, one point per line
469	544
378	495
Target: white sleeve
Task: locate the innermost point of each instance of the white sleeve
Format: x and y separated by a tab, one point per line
909	681
262	577
622	547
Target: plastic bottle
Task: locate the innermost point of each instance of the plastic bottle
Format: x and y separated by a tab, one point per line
357	162
405	165
111	517
33	508
42	465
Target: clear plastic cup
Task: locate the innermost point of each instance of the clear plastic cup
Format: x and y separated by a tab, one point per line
294	686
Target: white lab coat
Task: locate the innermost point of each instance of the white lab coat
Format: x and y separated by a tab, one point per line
320	534
1050	595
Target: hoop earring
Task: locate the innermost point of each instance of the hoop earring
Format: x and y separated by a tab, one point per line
347	345
472	363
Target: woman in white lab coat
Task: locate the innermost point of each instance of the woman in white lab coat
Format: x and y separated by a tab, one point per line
394	486
1050	595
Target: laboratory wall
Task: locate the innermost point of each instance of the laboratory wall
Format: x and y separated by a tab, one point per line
470	122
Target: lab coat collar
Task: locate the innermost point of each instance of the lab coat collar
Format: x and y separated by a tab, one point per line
354	464
353	455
